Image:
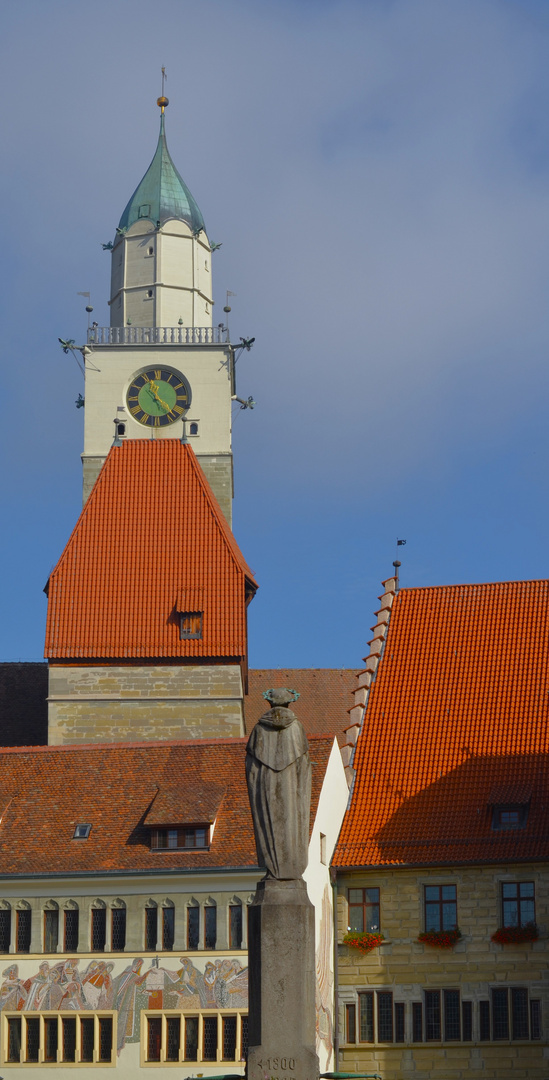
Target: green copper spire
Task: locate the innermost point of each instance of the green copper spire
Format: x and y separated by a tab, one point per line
162	193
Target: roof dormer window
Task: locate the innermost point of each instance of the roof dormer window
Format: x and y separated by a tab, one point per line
181	838
190	624
508	817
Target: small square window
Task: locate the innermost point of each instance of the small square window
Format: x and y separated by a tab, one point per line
81	832
190	624
144	210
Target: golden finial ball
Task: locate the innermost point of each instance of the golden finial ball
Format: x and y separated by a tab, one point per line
162	102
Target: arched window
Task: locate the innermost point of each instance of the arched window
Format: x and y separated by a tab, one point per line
193	429
168	924
5	926
151	925
71	926
210	924
193	924
51	926
23	927
118	925
98	926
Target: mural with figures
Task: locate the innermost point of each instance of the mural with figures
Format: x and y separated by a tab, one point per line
80	984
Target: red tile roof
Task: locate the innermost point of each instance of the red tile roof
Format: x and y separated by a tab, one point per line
46	791
150	541
459	711
324	702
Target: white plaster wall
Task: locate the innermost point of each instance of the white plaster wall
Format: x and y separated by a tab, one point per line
178	272
331	808
206	368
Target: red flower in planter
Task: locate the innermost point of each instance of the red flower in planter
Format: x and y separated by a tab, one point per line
440	939
362	941
514	935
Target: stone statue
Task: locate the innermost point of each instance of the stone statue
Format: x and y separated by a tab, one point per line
278	772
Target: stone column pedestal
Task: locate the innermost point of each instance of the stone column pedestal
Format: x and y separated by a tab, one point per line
282	1036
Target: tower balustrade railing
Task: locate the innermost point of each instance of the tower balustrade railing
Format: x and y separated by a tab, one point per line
157	335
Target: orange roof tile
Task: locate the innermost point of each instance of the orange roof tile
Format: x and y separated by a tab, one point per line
47	790
324	702
150	541
459	710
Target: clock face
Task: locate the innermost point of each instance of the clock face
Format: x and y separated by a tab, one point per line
158	396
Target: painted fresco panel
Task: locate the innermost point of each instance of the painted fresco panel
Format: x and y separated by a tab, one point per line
125	985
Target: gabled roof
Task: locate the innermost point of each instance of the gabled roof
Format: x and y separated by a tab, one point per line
459	711
150	539
162	193
46	791
325	696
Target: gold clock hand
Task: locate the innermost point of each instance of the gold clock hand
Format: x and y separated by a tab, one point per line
154	391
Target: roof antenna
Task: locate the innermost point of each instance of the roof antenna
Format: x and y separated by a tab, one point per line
162	101
397	563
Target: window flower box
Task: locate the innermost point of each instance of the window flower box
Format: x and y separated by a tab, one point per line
515	935
440	939
364	942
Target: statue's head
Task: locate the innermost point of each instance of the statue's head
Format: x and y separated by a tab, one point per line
281	697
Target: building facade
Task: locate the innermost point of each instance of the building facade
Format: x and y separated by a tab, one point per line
444	849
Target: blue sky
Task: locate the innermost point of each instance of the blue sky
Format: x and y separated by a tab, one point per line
378	175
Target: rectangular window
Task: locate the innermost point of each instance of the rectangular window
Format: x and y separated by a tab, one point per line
210	927
151	928
519	1013
86	1038
105	1038
33	1039
350	1015
509	817
191	1038
69	1038
209	1048
417	1021
229	1037
5	930
244	1038
323	848
384	1016
51	1038
432	1016
366	1017
399	1021
440	907
173	1037
118	929
168	928
518	903
195	837
71	929
190	624
235	926
23	934
452	1017
467	1020
98	929
484	1020
193	927
500	1014
14	1039
154	1038
364	914
535	1019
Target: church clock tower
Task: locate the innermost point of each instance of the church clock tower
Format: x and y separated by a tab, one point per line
161	370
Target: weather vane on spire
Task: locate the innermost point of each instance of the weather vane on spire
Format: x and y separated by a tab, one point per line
162	101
